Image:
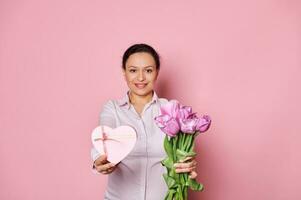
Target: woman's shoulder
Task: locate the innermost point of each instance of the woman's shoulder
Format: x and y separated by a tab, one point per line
108	105
163	100
109	102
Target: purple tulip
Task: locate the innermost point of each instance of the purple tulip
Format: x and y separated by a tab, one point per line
184	112
189	125
175	117
203	123
168	124
171	108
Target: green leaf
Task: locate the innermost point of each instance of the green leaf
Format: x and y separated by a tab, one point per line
171	183
167	162
168	147
194	185
181	155
170	194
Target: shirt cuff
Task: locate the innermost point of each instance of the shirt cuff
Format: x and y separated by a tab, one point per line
94	156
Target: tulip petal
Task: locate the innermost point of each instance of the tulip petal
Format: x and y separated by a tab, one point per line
204	123
171	108
189	125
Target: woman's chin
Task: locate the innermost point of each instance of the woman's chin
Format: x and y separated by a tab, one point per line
141	92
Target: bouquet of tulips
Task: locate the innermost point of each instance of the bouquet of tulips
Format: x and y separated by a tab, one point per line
181	126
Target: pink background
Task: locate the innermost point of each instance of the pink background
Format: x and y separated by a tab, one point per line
238	61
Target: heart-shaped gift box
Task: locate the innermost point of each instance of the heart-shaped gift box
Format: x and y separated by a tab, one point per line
115	143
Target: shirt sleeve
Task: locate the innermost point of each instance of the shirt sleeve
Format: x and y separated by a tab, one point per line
94	155
107	115
106	118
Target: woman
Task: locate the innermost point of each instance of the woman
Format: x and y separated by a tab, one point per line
139	175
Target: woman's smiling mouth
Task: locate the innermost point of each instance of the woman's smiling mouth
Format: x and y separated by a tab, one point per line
140	85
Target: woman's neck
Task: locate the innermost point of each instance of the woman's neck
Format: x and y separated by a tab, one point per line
140	100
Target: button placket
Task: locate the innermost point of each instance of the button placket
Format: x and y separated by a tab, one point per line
145	141
146	151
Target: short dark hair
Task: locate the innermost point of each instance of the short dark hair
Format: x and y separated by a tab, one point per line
136	48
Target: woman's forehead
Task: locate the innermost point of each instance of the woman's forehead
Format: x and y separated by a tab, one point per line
141	58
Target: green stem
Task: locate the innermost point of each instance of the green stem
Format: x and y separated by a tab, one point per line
185	193
189	142
175	146
191	146
183	141
180	140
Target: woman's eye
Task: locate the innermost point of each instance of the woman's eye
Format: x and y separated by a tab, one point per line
132	70
149	71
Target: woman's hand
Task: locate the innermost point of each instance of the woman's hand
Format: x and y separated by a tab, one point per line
184	166
102	165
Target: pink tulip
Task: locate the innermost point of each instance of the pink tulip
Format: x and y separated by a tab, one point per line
168	121
171	108
189	125
184	112
175	117
168	124
203	123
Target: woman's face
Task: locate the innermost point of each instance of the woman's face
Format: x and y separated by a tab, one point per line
140	73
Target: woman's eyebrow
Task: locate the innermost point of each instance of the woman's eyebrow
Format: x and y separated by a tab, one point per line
143	67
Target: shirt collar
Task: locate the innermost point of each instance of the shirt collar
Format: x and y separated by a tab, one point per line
125	101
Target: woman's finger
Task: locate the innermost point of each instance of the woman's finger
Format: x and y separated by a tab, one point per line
187	159
108	171
101	160
193	175
185	165
111	170
182	170
104	167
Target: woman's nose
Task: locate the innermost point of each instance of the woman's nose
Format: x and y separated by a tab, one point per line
141	76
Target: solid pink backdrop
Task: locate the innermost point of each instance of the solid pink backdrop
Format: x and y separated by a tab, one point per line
238	61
